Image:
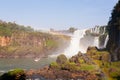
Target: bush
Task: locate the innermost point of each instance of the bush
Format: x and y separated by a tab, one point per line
61	59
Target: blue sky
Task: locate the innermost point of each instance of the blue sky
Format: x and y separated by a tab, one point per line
57	14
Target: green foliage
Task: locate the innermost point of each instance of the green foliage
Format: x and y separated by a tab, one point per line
4	31
54	65
81	61
72	29
16	71
87	67
7	28
16	74
114	70
71	66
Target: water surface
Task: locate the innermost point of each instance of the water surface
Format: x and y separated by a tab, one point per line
24	63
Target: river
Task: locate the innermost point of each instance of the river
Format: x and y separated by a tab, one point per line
24	63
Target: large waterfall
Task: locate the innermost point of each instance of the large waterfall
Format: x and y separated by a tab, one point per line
74	46
81	40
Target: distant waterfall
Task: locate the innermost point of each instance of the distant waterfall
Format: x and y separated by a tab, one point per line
74	47
96	42
106	40
82	39
95	30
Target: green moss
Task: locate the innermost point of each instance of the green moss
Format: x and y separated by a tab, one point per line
16	74
87	67
81	61
16	71
71	66
54	65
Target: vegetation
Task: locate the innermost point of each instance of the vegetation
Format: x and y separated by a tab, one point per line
55	65
114	33
72	29
25	41
61	59
16	74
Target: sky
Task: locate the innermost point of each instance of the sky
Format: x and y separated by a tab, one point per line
57	14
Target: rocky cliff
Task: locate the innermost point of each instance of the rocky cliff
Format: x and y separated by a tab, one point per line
4	40
114	33
17	41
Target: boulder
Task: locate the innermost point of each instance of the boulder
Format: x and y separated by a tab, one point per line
61	59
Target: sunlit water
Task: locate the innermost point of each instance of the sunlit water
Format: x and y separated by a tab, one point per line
75	47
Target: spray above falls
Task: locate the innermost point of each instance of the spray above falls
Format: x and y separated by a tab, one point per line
82	39
74	46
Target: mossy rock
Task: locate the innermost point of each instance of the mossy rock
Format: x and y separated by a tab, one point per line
94	53
61	59
70	66
55	65
16	74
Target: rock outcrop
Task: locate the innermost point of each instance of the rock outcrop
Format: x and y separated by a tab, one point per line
18	41
4	40
114	33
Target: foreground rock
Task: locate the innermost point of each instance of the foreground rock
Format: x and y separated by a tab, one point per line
76	68
50	74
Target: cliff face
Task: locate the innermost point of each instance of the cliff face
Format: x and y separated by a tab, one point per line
4	41
19	41
114	33
30	44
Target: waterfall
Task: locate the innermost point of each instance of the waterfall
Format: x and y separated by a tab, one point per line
82	39
95	30
96	42
106	40
74	46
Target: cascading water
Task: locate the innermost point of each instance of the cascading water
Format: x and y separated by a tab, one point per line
96	42
106	40
74	47
82	39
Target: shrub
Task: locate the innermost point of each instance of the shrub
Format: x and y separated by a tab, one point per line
61	59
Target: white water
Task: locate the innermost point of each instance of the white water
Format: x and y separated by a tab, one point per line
74	47
95	30
80	42
106	40
96	42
